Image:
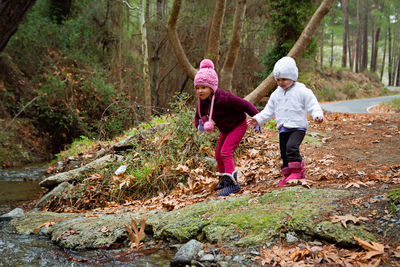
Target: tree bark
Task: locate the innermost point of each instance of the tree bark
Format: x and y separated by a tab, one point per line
12	13
352	51
383	57
145	52
214	34
346	33
375	50
269	83
358	41
175	42
226	73
397	83
390	80
332	38
156	57
364	62
321	48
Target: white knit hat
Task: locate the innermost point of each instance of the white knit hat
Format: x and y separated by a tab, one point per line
286	68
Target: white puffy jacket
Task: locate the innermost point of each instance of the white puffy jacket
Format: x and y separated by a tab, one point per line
290	108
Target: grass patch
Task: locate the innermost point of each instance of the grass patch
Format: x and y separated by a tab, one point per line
78	146
393	104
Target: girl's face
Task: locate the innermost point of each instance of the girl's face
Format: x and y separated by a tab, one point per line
284	83
203	91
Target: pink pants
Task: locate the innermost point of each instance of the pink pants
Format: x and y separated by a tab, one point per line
227	143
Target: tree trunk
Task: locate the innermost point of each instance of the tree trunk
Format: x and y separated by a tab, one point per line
398	71
12	12
226	73
346	33
375	50
269	83
390	81
175	42
156	58
332	38
351	46
358	41
384	57
321	48
364	62
145	52
214	34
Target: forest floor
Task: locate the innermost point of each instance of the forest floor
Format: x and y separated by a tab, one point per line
359	152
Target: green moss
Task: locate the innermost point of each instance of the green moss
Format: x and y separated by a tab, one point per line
250	221
26	224
245	221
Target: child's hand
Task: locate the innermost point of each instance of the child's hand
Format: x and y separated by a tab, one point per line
319	119
251	122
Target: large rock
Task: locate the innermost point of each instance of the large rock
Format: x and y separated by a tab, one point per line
244	221
59	190
15	213
71	175
186	253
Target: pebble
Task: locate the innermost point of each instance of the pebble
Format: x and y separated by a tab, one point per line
208	257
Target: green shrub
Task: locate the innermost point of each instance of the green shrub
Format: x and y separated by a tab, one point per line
326	94
77	147
350	90
15	148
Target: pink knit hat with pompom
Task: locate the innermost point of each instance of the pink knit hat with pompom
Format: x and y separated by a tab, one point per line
206	75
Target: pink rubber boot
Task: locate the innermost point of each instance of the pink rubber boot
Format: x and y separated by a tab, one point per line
303	170
297	169
286	172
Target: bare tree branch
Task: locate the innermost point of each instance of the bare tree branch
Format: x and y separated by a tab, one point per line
233	52
176	43
214	35
269	83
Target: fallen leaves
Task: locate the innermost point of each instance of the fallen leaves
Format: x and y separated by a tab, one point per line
64	235
136	235
304	255
303	182
46	225
356	185
373	248
346	218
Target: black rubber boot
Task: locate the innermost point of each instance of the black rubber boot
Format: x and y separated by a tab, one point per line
231	184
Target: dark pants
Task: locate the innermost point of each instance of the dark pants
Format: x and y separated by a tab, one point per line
289	144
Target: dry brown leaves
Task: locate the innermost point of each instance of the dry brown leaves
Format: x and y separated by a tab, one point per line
329	255
136	235
46	225
64	235
346	218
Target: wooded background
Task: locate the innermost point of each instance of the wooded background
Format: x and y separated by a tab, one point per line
96	67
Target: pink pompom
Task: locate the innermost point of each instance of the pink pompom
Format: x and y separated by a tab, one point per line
206	63
208	126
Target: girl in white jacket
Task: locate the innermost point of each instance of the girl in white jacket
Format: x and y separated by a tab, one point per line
289	104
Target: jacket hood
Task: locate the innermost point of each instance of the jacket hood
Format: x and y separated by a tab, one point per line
286	68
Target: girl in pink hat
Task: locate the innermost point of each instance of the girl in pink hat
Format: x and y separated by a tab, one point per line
228	112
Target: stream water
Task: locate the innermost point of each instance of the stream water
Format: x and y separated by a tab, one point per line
18	186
